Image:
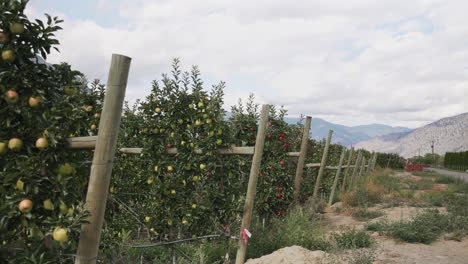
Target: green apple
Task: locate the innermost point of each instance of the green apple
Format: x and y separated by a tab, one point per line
63	208
8	55
15	144
60	234
48	205
20	185
3	148
16	28
66	169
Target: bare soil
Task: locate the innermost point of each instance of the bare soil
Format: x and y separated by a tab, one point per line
386	250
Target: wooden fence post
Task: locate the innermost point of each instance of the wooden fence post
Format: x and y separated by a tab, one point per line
363	167
101	168
251	188
322	166
337	176
301	160
345	177
355	170
369	164
374	160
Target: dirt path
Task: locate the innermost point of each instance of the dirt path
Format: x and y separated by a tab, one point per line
386	250
456	174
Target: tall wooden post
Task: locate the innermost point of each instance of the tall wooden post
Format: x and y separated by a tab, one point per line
252	187
345	177
301	160
363	167
101	167
337	176
374	161
322	166
355	170
368	169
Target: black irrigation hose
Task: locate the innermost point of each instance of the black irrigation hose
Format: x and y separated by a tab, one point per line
181	241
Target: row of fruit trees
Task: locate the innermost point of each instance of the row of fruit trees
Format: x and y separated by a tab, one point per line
43	183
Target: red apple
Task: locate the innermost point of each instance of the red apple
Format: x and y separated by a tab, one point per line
270	137
270	123
282	162
11	97
279	195
34	101
8	55
25	206
3	38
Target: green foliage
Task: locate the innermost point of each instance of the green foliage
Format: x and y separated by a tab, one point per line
423	228
352	239
456	160
388	160
34	105
299	228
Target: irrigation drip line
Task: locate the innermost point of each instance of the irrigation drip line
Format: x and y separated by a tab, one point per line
181	241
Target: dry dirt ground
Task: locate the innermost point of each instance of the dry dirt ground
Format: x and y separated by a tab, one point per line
385	250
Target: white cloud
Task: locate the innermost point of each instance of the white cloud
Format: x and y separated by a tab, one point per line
352	62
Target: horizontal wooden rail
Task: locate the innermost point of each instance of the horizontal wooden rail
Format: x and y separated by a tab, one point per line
317	165
90	143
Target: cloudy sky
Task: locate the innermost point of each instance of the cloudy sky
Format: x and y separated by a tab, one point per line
350	62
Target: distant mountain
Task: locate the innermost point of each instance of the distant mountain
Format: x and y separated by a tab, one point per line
448	134
346	135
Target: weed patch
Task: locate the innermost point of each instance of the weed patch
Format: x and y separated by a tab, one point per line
352	239
363	214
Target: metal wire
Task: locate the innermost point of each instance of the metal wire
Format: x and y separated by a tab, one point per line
182	241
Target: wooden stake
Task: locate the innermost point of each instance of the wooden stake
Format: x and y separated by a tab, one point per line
337	176
363	167
355	170
374	161
301	160
368	170
101	168
348	165
251	189
322	166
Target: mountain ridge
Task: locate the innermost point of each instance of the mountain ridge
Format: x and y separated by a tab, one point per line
448	134
347	135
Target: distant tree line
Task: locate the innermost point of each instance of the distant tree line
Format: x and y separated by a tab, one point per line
390	160
434	160
456	160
